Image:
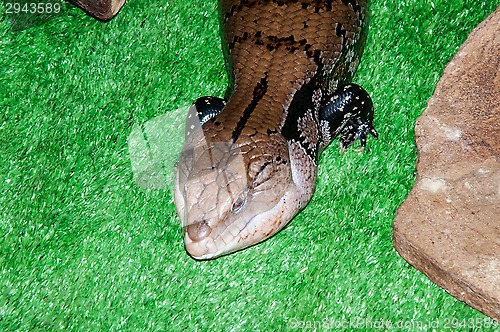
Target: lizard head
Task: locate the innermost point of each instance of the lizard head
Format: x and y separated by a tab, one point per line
232	195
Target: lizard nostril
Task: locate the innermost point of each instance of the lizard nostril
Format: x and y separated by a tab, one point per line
198	231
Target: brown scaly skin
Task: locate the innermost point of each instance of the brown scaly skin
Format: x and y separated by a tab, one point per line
251	165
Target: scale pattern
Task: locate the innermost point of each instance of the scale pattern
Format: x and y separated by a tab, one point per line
251	167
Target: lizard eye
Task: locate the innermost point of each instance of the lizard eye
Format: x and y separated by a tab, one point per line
239	203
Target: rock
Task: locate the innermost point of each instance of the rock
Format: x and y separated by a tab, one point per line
103	10
449	225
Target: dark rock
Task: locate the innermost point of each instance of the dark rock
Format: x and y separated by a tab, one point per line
103	10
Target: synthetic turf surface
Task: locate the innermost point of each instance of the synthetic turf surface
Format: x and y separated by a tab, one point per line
83	247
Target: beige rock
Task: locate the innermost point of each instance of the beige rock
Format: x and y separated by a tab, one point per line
449	226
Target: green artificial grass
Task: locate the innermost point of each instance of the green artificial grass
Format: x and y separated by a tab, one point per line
84	247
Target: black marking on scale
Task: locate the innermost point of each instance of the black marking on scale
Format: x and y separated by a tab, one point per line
340	31
301	103
272	43
325	5
354	4
258	93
